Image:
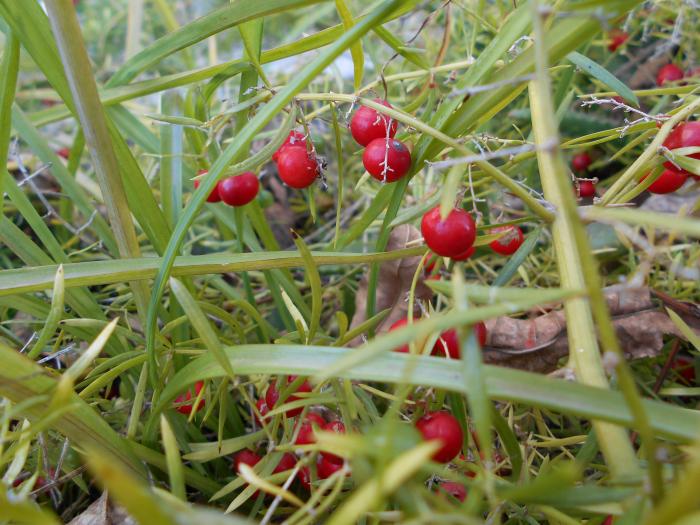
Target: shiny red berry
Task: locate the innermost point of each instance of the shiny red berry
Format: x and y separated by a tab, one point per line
64	152
464	256
448	342
297	167
586	189
239	190
337	427
451	237
306	431
272	395
404	349
214	195
668	73
326	467
387	160
617	38
185	401
454	489
581	161
509	242
295	138
246	457
443	427
684	135
669	181
368	124
287	462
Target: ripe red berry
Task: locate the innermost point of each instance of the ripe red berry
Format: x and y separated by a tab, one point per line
617	38
509	242
454	489
464	256
404	349
337	427
239	190
586	189
684	135
368	124
295	138
581	161
214	195
669	181
326	467
272	395
63	152
609	520
451	237
685	367
297	167
445	428
306	432
448	343
387	160
287	462
247	457
668	73
185	400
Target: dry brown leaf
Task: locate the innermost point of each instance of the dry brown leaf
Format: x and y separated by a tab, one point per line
394	284
538	344
103	512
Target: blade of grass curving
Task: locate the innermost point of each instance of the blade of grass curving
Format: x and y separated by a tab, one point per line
504	384
53	318
172	458
598	72
316	287
9	69
511	267
27	511
66	30
358	57
265	115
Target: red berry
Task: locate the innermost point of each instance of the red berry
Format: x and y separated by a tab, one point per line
337	427
272	395
668	73
247	457
684	135
63	152
451	237
685	367
326	467
581	161
396	155
464	256
448	343
295	138
669	181
262	407
306	432
238	190
445	428
182	400
454	489
287	462
430	265
508	243
404	349
608	520
586	189
617	38
297	167
214	195
368	124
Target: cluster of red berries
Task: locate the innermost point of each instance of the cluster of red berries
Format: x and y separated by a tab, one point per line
236	190
580	163
684	135
385	158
